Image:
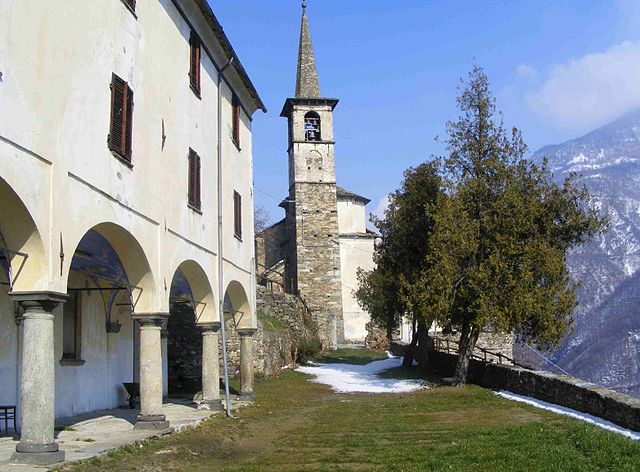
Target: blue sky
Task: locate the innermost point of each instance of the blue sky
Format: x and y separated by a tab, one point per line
558	69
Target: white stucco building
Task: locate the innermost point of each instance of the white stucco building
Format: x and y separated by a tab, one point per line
125	187
356	252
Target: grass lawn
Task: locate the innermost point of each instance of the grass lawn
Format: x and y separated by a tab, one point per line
352	356
297	425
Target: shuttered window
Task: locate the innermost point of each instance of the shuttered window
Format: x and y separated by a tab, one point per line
237	215
235	118
120	132
194	69
72	327
194	180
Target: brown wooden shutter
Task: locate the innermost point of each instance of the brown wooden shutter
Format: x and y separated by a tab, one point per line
128	126
237	214
236	120
197	179
117	133
191	177
194	71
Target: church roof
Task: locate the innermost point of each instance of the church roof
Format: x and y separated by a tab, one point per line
342	194
307	85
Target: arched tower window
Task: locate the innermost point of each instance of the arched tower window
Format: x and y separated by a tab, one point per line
312	126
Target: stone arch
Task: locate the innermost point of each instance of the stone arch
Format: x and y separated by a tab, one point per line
237	305
191	303
190	280
312	127
21	244
137	274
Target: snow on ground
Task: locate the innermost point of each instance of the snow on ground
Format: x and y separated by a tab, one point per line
561	410
349	378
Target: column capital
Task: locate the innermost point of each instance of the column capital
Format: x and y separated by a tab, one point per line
209	327
155	319
39	301
246	332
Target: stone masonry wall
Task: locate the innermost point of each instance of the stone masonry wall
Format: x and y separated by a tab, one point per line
318	257
618	408
282	323
493	342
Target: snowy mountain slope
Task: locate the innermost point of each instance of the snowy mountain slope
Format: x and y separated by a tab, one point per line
604	346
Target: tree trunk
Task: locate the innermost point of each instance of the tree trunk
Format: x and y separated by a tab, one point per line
425	344
389	327
468	340
411	348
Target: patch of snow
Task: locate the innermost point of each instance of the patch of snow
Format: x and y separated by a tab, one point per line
579	158
349	378
561	410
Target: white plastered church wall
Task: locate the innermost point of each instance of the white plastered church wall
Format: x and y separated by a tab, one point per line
355	252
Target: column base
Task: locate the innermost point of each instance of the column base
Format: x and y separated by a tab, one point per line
151	422
211	405
36	458
246	396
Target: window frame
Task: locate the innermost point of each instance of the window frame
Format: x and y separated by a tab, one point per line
235	120
121	122
313	119
194	181
237	215
75	357
195	62
131	6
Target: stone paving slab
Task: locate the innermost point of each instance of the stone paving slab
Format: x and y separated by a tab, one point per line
91	434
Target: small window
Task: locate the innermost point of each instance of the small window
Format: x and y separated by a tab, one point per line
131	4
121	118
194	69
237	215
72	327
312	126
235	104
194	180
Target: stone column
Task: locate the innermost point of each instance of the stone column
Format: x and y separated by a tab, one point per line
164	339
37	389
151	416
210	367
246	363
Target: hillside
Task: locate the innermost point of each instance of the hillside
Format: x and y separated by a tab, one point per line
605	341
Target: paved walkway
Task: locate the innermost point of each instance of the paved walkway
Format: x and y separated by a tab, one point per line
87	435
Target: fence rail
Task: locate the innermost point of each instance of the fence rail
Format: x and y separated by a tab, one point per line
451	346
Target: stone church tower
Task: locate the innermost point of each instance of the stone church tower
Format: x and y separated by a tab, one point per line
312	251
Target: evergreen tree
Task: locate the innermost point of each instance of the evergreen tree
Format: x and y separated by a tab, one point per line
401	251
501	232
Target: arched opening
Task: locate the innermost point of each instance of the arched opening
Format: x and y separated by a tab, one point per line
21	247
22	268
312	127
237	309
191	303
314	166
96	338
239	319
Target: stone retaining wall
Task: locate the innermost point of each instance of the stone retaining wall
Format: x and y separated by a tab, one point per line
282	323
596	400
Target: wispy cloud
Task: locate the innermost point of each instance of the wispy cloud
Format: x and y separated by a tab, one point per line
382	205
591	90
526	71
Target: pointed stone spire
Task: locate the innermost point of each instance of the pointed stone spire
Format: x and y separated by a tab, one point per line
307	77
